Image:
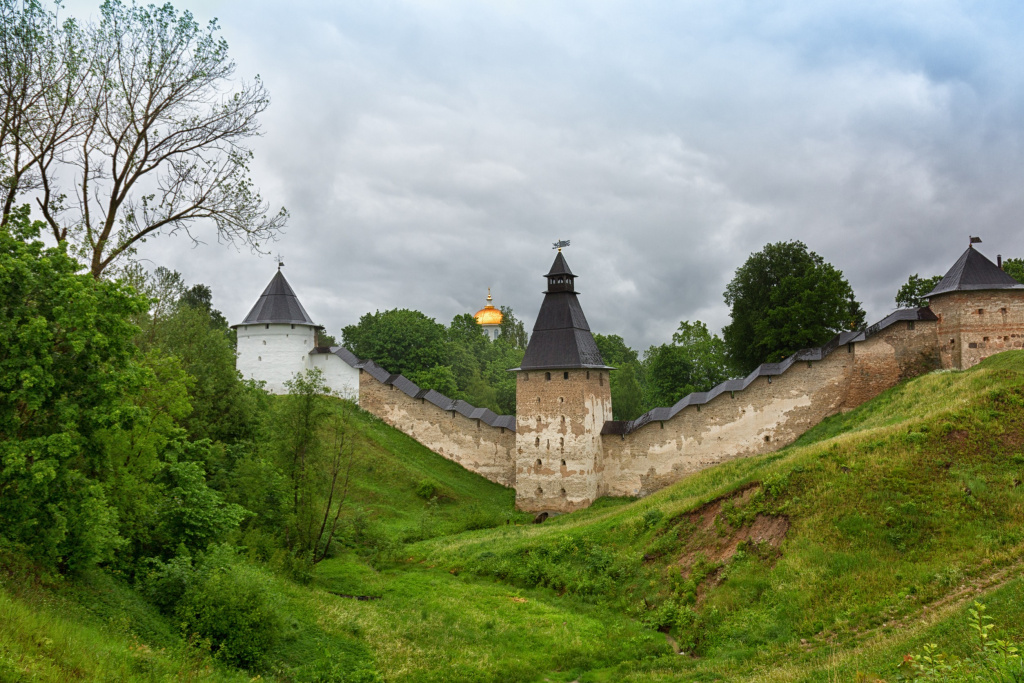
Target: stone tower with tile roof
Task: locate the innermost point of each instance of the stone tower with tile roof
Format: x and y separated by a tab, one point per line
563	400
980	311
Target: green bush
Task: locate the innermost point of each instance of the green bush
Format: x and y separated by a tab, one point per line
426	489
220	601
231	607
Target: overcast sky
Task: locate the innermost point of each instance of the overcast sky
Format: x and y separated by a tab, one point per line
429	150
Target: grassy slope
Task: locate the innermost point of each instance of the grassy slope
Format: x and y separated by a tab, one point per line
391	467
96	628
910	502
892	507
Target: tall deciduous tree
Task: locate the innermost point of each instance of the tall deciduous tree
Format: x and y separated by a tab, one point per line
512	329
785	298
399	340
913	293
134	127
66	362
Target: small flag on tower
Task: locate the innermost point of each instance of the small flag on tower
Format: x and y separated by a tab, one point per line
975	240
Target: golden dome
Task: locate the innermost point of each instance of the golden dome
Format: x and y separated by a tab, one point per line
488	315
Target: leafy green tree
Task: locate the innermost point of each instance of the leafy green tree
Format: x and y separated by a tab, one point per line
627	393
399	340
439	378
614	350
1014	267
504	356
785	298
225	407
707	354
512	329
66	362
913	293
669	369
624	382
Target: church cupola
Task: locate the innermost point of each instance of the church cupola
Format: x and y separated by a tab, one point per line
490	319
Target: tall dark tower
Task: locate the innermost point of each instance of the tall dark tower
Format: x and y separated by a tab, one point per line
562	402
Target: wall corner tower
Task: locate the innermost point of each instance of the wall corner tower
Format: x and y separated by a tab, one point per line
563	399
275	339
980	311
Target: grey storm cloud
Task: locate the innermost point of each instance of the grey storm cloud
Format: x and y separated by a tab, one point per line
427	151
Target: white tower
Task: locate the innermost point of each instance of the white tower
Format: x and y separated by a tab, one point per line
276	338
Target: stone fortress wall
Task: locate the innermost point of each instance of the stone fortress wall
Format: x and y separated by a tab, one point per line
763	412
563	451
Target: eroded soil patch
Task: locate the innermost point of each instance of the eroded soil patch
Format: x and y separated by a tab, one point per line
714	541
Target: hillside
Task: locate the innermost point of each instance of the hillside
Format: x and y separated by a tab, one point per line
840	554
872	520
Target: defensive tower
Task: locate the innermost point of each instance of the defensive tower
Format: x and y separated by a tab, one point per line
980	310
275	339
563	400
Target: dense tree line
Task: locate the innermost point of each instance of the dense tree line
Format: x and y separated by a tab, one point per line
129	441
458	360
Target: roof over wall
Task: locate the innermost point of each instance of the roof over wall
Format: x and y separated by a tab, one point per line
561	336
278	304
766	370
972	271
404	385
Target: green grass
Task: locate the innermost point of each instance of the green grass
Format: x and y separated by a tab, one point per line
891	508
391	467
900	513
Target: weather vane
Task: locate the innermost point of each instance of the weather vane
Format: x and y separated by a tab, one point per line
560	243
280	261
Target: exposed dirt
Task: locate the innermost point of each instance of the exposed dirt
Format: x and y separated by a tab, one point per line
716	541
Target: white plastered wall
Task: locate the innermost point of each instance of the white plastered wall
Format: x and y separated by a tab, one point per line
342	378
274	353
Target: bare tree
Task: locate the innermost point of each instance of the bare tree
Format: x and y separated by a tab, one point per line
156	135
42	81
341	460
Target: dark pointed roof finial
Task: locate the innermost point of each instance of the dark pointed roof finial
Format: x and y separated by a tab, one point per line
280	261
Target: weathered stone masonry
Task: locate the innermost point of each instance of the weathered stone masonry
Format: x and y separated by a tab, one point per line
562	450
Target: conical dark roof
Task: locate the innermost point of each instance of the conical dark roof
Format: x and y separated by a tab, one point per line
278	304
560	267
561	337
973	271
